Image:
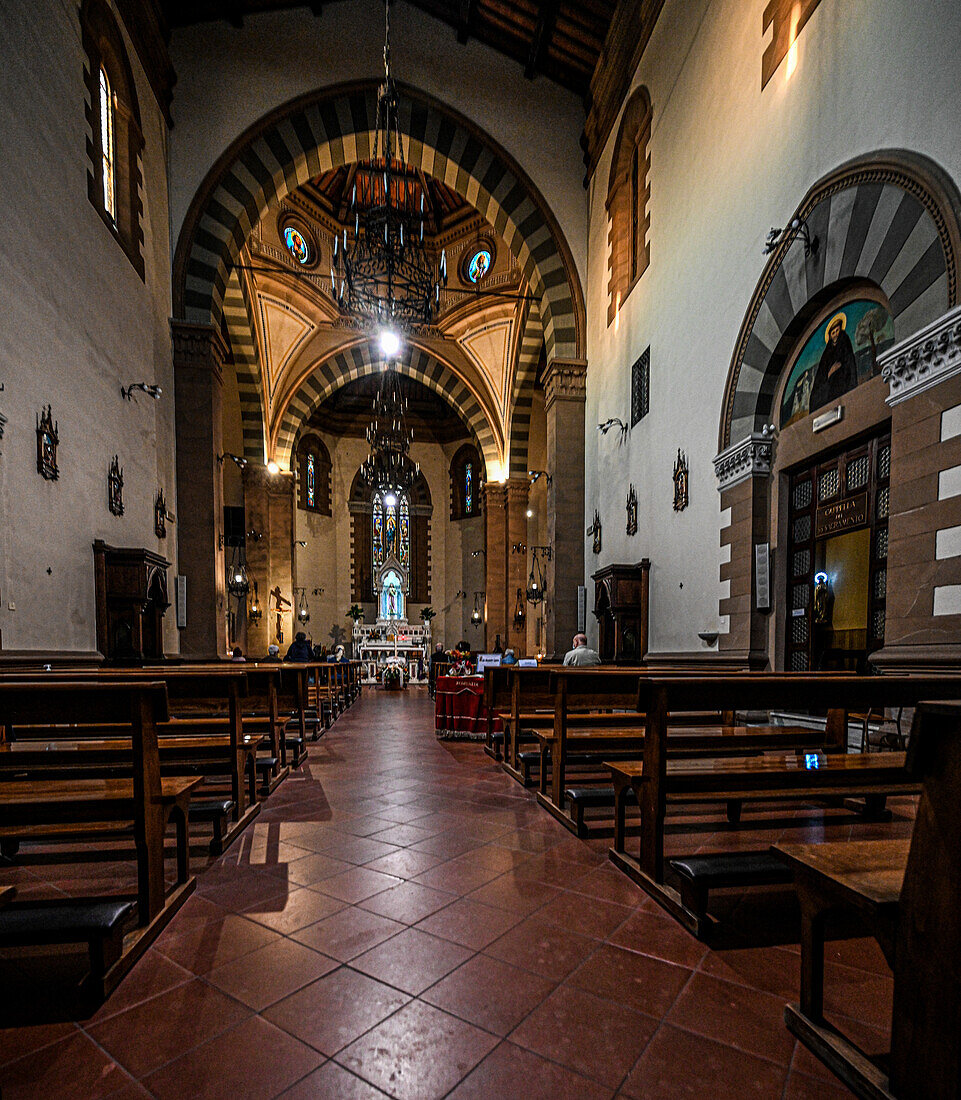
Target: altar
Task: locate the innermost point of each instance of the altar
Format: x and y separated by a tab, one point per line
391	640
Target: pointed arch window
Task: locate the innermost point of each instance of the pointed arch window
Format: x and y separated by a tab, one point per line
108	146
390	528
628	195
313	475
465	483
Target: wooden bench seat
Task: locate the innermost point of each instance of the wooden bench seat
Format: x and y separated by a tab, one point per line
905	894
657	778
698	875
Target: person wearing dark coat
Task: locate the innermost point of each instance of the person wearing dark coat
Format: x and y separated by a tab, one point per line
437	658
300	649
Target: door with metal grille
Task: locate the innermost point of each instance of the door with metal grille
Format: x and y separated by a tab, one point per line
837	558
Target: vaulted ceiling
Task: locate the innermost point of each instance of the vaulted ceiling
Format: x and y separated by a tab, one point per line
561	39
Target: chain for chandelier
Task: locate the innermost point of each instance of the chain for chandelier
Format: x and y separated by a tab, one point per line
382	275
388	466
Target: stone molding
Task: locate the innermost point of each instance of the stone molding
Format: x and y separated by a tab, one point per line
752	457
926	358
199	346
565	380
495	494
517	491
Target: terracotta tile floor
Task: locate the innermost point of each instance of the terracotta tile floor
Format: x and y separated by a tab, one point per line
402	919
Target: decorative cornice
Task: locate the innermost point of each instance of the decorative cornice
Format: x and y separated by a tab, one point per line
752	457
565	380
200	346
927	357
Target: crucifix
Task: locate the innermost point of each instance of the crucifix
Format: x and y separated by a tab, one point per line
280	608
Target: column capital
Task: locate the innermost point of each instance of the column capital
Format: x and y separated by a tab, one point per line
198	346
927	357
751	457
565	380
517	490
495	494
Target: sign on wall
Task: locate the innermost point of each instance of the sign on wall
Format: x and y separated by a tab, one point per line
843	515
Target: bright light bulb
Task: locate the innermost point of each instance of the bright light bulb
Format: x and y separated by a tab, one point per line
273	467
390	500
390	343
530	513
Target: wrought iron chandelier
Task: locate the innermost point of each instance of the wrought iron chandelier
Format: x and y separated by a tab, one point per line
383	275
388	467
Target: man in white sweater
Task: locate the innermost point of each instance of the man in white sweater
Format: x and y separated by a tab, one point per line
581	656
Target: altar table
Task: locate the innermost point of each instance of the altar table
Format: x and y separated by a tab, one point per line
459	711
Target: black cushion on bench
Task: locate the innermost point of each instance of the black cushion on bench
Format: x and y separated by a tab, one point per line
733	869
27	923
591	796
210	809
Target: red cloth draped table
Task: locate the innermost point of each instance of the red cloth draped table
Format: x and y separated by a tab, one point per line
459	711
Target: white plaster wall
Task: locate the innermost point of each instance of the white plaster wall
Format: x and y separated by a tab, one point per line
229	77
729	161
77	322
325	561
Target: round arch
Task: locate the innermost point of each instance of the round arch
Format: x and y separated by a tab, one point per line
890	218
347	364
335	126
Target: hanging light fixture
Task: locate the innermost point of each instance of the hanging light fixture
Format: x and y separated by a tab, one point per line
388	467
535	582
303	612
381	274
476	616
256	611
519	615
238	584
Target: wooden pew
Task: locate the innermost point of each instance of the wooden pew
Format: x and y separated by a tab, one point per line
497	700
204	734
141	799
905	894
655	779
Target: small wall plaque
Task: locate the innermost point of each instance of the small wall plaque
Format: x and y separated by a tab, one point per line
681	495
631	511
115	487
47	440
826	419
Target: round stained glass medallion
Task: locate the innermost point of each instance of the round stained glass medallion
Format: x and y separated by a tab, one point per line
479	265
297	244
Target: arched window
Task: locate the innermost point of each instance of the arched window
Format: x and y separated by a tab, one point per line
115	136
465	482
107	146
313	475
390	528
628	193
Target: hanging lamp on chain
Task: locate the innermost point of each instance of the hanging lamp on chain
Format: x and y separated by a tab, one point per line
383	274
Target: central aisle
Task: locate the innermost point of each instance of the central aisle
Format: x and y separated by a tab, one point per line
402	917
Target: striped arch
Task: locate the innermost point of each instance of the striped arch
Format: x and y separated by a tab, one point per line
891	219
330	128
355	362
528	358
239	322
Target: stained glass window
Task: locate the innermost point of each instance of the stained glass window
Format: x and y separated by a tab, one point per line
469	487
479	265
297	244
311	487
403	544
107	146
390	530
378	531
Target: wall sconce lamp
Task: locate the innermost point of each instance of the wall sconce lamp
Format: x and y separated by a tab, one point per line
256	612
300	542
797	228
303	612
238	460
610	423
460	594
126	392
477	554
519	616
477	616
534	475
317	592
519	548
254	535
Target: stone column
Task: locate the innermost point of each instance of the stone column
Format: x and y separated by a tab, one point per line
199	352
495	510
518	494
269	516
565	385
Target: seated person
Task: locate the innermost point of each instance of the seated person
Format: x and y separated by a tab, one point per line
273	653
237	654
580	656
300	649
508	658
